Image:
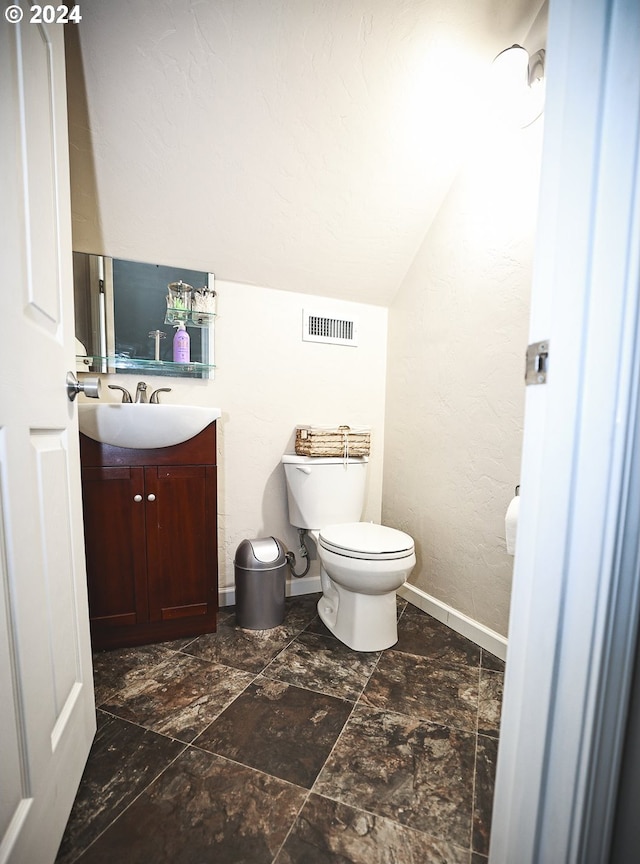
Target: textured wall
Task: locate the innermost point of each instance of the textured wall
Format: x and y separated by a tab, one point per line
455	391
301	145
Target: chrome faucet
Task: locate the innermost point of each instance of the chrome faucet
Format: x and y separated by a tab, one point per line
141	392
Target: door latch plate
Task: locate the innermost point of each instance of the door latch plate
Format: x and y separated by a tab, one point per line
537	363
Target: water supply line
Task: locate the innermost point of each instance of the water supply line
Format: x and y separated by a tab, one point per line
303	552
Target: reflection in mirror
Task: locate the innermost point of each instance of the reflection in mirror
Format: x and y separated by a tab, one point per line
124	322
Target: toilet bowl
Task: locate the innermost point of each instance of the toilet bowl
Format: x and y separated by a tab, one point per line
362	567
362	563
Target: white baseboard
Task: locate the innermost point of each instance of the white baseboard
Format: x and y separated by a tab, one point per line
306	585
293	588
458	621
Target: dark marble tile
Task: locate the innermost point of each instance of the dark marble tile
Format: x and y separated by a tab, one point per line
419	633
324	665
300	611
490	702
422	688
124	759
327	832
414	772
490	661
178	644
250	650
203	808
485	774
113	670
178	697
318	626
281	730
404	783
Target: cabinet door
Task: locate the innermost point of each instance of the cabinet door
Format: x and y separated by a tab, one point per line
181	541
114	528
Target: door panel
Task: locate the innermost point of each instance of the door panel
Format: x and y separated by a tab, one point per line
40	173
11	717
51	472
114	525
181	541
47	713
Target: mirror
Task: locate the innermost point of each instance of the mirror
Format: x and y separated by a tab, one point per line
125	317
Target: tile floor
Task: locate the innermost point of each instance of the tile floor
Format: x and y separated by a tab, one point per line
285	746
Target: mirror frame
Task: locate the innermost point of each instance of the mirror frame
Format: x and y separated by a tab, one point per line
95	321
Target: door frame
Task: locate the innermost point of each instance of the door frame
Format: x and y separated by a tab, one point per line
575	604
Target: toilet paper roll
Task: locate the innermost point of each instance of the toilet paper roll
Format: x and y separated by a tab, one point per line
511	524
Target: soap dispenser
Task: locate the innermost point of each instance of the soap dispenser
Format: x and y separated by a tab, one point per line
181	345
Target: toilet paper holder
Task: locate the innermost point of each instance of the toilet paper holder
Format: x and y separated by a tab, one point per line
511	522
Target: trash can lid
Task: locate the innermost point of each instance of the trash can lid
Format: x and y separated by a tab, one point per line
251	554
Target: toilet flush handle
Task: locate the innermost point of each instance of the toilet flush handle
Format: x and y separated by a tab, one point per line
304	468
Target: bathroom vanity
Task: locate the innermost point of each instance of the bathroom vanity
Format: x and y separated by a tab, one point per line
150	518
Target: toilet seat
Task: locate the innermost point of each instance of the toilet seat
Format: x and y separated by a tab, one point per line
366	540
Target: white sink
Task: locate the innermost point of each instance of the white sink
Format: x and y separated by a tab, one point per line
143	426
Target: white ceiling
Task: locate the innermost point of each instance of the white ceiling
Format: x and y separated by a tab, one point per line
304	145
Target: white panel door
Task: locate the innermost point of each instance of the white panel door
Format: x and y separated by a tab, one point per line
47	716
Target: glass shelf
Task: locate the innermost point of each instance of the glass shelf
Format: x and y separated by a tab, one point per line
143	364
189	317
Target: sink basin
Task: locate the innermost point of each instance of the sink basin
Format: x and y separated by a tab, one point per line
143	426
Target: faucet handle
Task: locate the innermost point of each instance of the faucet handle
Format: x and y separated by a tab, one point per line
126	396
154	396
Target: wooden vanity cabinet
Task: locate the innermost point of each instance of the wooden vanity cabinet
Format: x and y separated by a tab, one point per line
150	523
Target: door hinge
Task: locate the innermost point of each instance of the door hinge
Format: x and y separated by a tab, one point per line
537	363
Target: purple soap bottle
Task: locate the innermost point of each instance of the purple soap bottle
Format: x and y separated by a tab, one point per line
181	345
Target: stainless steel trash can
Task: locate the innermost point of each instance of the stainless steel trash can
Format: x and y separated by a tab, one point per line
260	572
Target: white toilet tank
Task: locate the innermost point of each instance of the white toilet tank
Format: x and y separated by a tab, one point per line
324	491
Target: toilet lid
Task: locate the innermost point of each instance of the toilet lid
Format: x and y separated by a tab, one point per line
366	540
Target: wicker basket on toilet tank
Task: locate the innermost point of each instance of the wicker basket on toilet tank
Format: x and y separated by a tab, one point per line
326	441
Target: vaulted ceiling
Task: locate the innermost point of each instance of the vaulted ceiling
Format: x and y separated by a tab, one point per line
304	145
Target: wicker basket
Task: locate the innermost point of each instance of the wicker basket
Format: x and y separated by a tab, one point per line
341	441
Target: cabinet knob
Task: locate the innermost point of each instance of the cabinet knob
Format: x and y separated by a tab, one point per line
137	497
151	497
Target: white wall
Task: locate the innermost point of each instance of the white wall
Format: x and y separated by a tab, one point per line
455	389
266	382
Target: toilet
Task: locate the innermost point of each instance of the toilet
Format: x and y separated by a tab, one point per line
362	563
